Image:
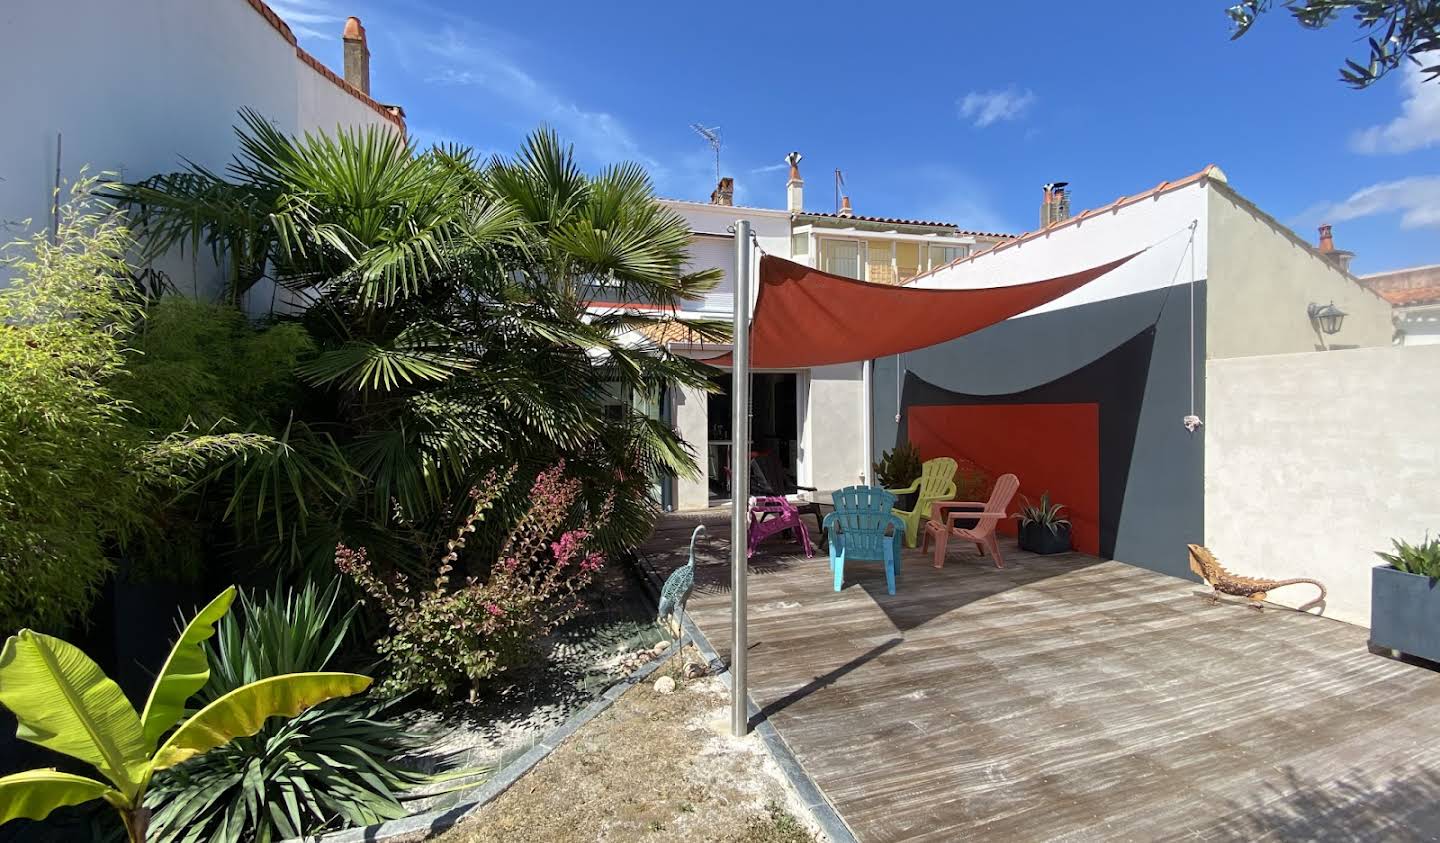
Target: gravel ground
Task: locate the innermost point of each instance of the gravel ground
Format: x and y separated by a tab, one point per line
655	766
611	637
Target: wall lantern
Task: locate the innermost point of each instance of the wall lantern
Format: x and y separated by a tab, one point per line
1326	317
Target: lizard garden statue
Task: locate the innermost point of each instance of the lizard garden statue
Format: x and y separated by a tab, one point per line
1204	563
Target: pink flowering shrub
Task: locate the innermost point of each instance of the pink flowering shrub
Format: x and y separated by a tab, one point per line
444	635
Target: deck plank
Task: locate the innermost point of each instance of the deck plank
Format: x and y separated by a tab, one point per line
1071	698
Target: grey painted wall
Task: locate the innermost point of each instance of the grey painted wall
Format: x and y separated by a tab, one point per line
1164	493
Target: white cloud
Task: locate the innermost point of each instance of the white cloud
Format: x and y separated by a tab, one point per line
986	107
465	56
1418	125
769	168
309	18
1415	199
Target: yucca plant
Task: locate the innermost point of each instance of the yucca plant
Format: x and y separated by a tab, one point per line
1422	559
66	703
330	766
1044	514
900	467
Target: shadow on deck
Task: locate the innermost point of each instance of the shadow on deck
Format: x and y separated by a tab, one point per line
1067	697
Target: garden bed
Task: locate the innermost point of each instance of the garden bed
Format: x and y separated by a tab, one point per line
654	766
613	634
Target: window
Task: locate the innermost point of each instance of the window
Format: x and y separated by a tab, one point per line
941	255
799	245
907	260
879	263
840	257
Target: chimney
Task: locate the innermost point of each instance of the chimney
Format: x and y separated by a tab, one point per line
724	192
1339	257
357	56
845	209
795	187
1055	204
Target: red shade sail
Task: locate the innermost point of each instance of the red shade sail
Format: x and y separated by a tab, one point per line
805	317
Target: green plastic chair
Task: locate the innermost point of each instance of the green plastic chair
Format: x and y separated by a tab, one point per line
936	483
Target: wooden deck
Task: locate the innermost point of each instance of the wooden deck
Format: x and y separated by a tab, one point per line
1069	698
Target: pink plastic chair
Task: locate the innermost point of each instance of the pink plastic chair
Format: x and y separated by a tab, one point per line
771	515
987	514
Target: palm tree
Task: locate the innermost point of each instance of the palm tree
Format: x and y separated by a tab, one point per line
453	302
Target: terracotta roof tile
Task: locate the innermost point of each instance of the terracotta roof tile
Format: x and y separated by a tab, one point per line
1412	295
897	221
665	333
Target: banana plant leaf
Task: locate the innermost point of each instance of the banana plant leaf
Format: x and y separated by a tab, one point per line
33	794
65	702
244	710
185	671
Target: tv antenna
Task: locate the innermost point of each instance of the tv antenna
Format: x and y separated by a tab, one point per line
839	185
712	137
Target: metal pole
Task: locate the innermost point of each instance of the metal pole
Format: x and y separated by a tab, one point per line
55	195
867	419
740	478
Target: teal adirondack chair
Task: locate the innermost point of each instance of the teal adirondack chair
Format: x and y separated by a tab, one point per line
857	531
936	483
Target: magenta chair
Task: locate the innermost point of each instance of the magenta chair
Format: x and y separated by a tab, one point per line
771	515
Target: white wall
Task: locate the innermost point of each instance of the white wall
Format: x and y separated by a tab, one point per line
692	424
1159	224
1314	461
136	86
832	439
714	248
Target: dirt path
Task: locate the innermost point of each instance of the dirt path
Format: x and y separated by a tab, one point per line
653	767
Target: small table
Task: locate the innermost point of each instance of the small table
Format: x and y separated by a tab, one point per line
814	503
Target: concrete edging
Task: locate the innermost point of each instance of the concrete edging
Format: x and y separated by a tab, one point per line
422	826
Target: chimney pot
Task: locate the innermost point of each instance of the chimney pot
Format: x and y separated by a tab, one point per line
724	193
795	187
357	55
1340	257
1055	204
845	209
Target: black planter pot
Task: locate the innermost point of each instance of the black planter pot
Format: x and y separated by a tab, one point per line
1037	538
907	501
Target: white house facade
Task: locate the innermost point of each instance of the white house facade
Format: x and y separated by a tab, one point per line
138	87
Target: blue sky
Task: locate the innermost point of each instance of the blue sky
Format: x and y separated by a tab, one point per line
934	111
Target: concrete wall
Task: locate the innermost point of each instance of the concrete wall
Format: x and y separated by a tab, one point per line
1262	277
1314	461
136	86
691	422
832	441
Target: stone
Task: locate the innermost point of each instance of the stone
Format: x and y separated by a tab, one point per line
665	685
660	647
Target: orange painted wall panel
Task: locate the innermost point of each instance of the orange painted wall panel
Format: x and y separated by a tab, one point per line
1054	447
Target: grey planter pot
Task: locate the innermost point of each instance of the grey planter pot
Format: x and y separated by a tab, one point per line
1405	613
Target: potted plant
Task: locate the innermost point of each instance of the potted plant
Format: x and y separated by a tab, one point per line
1404	599
1041	527
898	469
